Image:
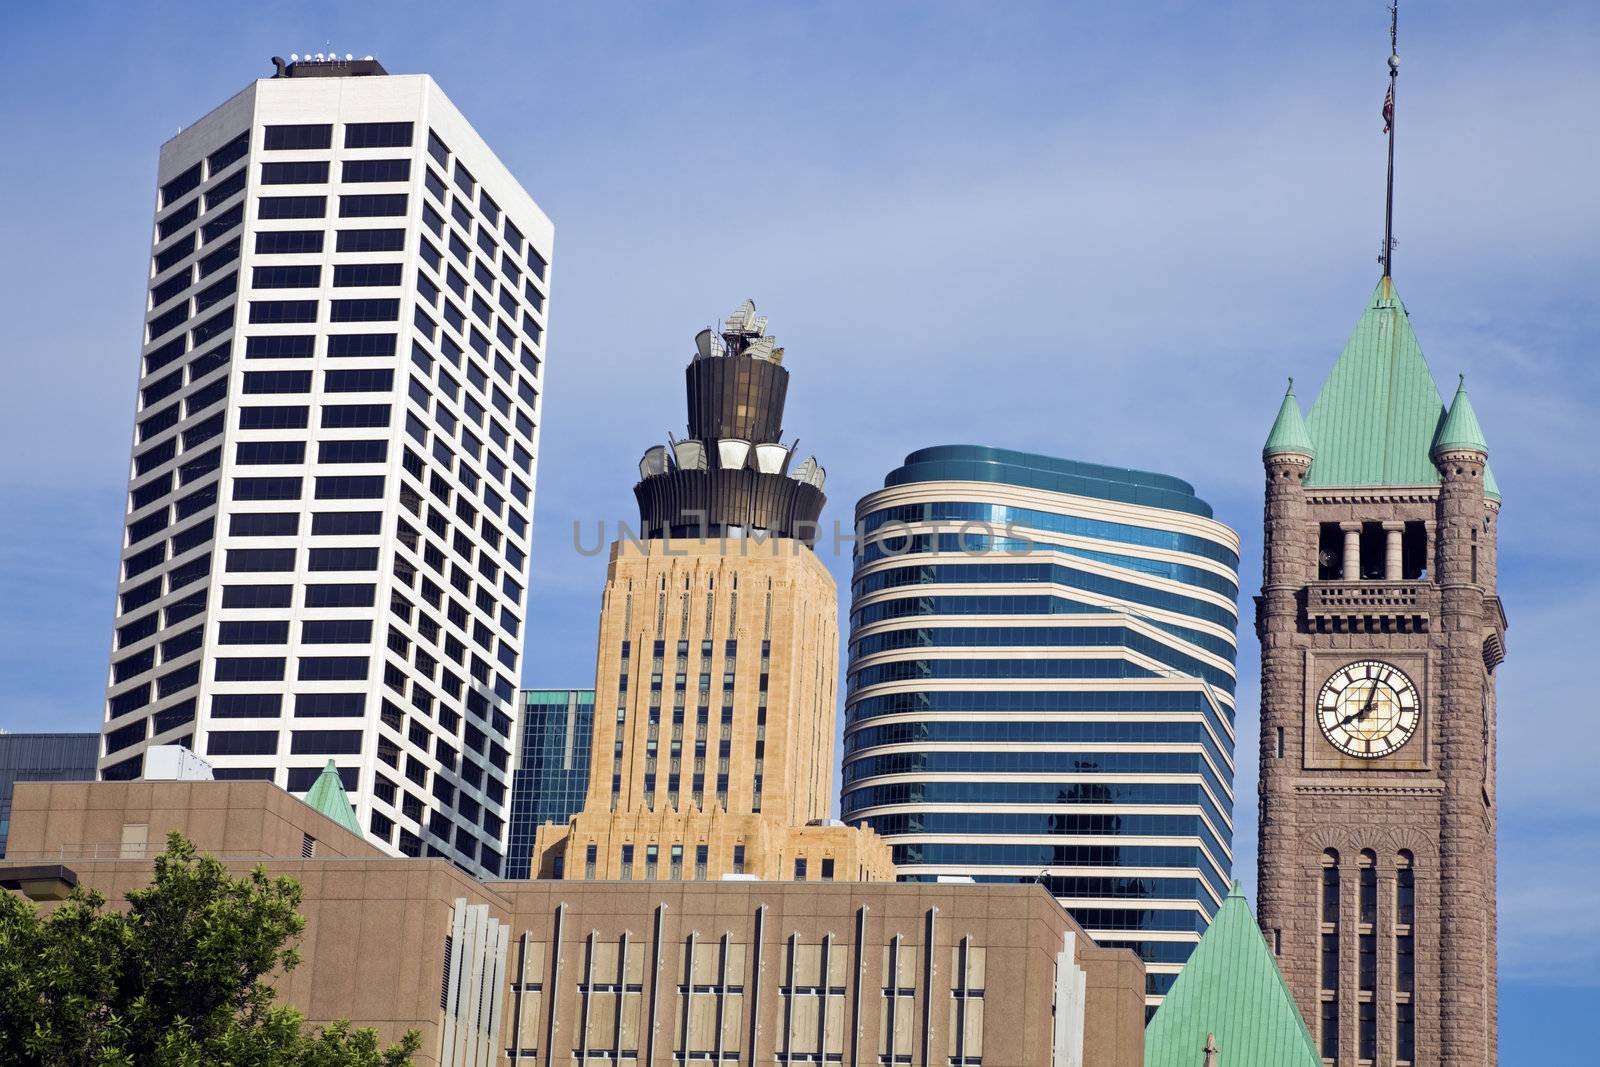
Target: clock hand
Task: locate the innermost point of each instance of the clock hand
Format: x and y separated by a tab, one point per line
1365	708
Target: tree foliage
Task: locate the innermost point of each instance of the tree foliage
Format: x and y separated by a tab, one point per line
179	979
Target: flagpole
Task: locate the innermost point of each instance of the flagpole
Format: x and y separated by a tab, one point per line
1388	202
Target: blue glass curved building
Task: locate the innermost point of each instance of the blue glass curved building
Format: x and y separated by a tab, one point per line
1041	688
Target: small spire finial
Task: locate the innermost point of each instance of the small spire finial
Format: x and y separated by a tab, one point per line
1291	383
1387	256
1461	381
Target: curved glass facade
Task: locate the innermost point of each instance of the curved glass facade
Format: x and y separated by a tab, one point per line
1041	688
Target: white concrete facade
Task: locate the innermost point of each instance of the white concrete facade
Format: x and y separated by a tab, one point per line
331	491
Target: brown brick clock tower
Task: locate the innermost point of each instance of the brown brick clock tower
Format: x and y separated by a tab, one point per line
1380	633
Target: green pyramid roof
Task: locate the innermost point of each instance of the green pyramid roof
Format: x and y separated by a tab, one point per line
327	796
1289	433
1230	988
1460	429
1376	416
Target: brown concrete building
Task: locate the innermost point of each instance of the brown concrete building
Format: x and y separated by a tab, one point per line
1380	634
716	676
644	974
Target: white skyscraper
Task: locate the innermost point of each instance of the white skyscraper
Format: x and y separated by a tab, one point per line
331	488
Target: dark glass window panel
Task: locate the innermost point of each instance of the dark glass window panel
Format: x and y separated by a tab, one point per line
371	451
309	135
325	742
166	354
334	668
224	190
432	219
168	321
139	629
242	560
288	242
215	294
165	419
293	276
277	381
242	742
253	632
336	631
201	399
340	595
285	346
250	669
372	205
377	170
266	488
127	736
291	207
204	365
175	253
277	417
174	190
350	416
255	453
193	537
378	310
372	240
132	666
277	311
154	456
257	596
354	274
247	705
161	388
139	596
343	345
224	255
264	524
197	501
365	380
377	135
350	487
177	220
296	172
214	228
329	705
179	714
194	571
229	153
170	288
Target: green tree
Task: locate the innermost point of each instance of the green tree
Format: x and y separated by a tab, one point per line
179	979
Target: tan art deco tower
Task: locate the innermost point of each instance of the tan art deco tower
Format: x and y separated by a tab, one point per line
1380	634
717	671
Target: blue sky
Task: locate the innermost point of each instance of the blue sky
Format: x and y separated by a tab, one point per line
1093	230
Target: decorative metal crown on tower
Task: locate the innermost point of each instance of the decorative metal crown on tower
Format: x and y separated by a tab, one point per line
732	475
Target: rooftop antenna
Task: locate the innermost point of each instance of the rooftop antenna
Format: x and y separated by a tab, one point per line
1388	128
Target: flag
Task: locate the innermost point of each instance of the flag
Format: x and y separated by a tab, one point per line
1388	109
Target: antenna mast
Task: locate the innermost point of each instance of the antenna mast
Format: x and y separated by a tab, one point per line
1388	127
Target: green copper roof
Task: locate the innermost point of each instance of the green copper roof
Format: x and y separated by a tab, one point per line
1461	429
327	796
1376	416
1289	433
1230	988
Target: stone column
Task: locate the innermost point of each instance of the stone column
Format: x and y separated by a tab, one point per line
1393	552
1466	837
1352	550
1429	563
1289	559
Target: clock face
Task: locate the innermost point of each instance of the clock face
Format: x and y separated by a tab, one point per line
1368	709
